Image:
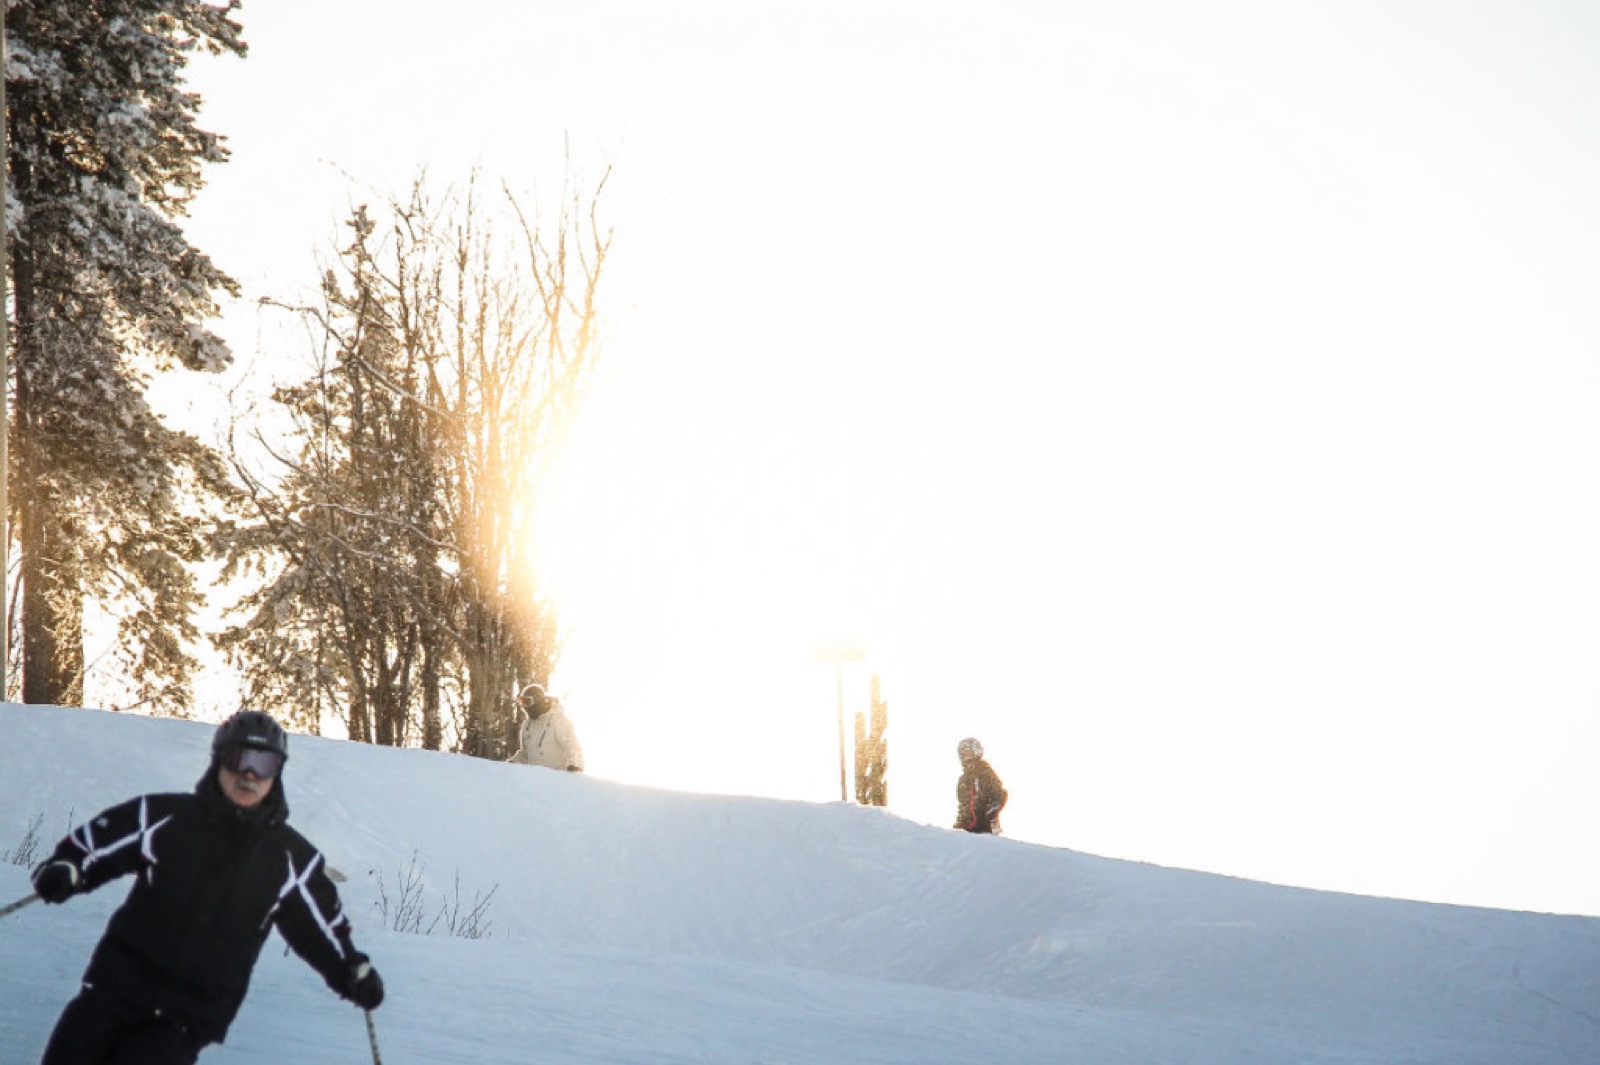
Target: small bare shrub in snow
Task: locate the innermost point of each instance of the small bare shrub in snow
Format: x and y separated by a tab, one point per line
26	852
408	910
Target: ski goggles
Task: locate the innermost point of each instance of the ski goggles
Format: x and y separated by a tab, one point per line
258	760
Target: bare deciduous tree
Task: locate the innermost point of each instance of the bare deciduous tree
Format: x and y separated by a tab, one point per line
402	591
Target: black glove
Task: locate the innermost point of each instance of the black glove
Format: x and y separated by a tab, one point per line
362	984
56	881
574	768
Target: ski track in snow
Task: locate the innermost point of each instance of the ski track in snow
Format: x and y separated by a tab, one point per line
631	925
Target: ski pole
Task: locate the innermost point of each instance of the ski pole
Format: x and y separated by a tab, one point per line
13	907
372	1038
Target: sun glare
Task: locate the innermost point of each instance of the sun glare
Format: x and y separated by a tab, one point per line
693	577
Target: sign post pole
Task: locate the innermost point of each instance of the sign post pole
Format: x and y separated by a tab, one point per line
838	653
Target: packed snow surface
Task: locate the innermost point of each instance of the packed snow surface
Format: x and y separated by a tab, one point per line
629	925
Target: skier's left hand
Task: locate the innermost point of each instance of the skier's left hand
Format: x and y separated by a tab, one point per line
362	984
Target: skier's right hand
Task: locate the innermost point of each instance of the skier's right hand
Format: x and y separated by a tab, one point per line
56	881
362	984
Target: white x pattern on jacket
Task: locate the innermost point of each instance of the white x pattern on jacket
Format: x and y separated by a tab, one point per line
549	740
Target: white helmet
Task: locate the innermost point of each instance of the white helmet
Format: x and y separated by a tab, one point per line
969	749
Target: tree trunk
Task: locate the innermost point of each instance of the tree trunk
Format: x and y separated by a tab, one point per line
52	605
432	730
52	613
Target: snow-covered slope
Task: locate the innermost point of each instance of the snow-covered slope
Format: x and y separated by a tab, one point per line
631	925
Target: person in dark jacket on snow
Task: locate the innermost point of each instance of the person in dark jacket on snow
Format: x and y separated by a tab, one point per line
214	872
979	796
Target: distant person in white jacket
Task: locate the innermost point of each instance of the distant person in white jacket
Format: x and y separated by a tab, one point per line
547	736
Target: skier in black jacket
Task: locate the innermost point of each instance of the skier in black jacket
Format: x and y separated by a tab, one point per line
214	872
979	796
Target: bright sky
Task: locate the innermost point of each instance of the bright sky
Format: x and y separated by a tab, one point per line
1197	403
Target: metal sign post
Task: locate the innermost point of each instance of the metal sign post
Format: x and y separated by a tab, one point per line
838	653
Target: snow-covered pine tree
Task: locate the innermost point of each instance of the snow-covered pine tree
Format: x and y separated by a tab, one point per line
344	526
872	750
104	155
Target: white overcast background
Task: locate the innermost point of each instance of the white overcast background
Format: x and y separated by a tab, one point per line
1197	403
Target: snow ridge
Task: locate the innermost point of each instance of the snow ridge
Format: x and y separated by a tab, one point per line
631	924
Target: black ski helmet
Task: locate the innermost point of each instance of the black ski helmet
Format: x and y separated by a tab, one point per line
250	728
